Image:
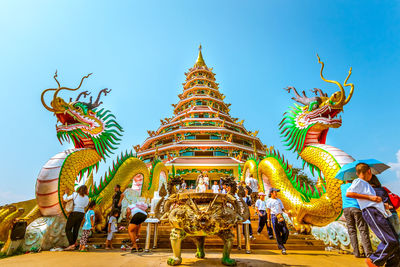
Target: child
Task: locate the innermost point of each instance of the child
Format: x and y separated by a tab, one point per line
87	226
224	191
373	212
112	228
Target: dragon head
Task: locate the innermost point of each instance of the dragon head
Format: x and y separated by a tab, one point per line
309	124
82	123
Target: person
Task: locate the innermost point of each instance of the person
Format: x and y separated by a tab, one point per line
75	218
198	179
354	220
247	200
276	220
253	184
381	192
112	228
117	198
183	185
224	191
88	225
206	181
137	213
201	187
215	187
374	213
261	209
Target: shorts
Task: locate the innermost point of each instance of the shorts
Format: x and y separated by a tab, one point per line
110	236
138	218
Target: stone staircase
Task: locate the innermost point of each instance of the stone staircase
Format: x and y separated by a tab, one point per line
261	242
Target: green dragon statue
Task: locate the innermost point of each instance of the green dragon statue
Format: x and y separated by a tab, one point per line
95	134
304	130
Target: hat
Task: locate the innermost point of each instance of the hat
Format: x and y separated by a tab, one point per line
272	190
261	194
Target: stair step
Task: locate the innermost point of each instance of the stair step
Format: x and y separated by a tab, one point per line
295	241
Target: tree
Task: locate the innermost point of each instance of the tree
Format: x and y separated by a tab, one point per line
303	178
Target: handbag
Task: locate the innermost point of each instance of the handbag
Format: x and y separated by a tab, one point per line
69	206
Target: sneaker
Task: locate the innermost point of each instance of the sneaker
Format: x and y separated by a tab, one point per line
271	237
258	233
252	238
284	251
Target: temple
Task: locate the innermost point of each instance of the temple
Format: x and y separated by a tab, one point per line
201	136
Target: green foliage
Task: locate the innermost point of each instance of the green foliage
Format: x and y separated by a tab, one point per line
303	178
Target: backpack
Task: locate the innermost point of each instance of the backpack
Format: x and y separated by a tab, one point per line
395	199
18	230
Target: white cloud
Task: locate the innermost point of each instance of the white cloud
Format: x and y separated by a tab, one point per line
396	166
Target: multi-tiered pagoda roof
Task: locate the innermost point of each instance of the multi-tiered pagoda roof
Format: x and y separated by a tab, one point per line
201	135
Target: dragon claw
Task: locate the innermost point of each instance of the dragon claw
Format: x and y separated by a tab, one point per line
174	261
200	254
228	262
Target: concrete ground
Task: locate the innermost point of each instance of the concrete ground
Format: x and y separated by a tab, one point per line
159	258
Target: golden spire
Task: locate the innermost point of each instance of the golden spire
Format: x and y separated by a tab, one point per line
200	61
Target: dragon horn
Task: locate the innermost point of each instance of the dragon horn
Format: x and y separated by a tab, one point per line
212	203
42	99
341	101
66	88
351	86
50	89
194	203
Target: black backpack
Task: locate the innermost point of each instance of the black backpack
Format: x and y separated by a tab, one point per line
18	230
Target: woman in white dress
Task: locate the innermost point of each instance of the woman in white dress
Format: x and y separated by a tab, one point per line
201	187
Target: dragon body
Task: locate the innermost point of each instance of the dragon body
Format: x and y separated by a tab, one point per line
304	130
95	134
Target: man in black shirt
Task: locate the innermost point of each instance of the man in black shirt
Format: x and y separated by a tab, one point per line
116	202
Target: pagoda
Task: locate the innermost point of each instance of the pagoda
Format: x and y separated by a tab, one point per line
201	136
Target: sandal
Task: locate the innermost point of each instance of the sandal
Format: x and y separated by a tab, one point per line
140	250
134	250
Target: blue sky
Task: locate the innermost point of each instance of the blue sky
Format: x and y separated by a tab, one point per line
142	49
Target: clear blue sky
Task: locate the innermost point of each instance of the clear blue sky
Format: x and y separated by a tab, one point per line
142	49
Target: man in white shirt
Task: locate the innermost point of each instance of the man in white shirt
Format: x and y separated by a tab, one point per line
261	208
253	184
373	212
275	211
215	187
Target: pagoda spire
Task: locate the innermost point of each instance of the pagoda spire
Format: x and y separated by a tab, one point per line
200	61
